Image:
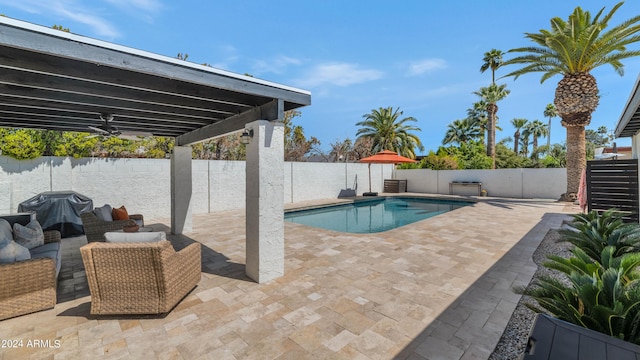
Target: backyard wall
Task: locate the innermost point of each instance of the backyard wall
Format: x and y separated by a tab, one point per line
143	185
512	183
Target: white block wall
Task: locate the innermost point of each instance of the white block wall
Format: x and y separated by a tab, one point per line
512	183
143	185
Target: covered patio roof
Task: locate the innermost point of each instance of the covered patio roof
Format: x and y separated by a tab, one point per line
51	79
629	123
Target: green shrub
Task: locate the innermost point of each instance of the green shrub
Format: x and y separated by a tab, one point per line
592	232
602	296
438	162
20	144
601	286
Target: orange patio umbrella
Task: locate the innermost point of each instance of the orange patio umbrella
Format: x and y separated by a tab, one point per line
383	157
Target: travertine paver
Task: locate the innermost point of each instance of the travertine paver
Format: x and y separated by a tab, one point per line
436	289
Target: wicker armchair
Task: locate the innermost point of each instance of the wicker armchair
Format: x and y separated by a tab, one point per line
95	228
28	286
139	278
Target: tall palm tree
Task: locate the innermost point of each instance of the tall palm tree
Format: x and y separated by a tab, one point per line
524	142
462	131
572	49
389	132
519	124
479	114
492	60
491	95
550	112
536	129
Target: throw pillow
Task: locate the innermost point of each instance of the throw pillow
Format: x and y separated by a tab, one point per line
30	235
13	252
103	213
6	234
120	213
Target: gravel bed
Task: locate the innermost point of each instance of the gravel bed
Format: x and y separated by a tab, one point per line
514	339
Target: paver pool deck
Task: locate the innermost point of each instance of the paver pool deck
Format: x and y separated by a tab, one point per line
436	289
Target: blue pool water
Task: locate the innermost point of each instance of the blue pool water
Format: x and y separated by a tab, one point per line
372	216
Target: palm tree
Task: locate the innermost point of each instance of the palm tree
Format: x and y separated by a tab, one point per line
572	49
492	60
550	112
462	131
491	95
479	114
524	142
536	129
388	132
519	124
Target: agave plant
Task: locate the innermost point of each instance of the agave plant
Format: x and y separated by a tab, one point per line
592	232
600	295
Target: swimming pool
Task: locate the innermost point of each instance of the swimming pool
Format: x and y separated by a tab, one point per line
372	216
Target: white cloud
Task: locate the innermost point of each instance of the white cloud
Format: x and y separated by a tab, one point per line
426	65
89	15
277	65
144	5
101	27
72	10
338	74
227	55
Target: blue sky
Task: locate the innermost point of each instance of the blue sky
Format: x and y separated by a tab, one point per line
354	56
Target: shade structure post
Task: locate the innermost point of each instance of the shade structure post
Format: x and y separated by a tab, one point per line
181	190
265	201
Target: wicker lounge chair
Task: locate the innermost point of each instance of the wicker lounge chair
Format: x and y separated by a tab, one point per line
139	278
95	228
30	285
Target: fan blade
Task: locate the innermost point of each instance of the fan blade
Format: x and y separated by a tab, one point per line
98	130
134	135
137	133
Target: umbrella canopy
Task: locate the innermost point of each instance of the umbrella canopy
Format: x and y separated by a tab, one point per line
387	157
384	157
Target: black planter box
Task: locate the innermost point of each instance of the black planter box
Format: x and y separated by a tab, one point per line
554	339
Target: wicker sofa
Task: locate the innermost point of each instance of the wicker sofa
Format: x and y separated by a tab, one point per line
95	228
139	278
30	285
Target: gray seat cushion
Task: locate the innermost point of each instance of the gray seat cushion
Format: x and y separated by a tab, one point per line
54	246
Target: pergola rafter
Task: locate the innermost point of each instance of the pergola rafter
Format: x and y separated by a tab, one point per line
50	79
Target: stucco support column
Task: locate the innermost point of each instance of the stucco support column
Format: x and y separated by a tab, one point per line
181	185
265	201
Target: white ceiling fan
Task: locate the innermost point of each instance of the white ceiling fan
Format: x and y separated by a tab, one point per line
107	129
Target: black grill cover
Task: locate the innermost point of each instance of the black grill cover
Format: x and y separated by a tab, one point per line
59	210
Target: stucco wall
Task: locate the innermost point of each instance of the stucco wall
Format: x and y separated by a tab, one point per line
513	183
143	185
